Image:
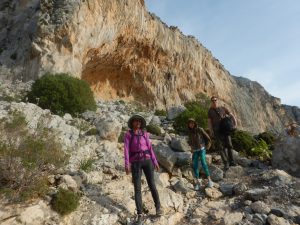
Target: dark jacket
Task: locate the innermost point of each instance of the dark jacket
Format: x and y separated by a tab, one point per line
199	138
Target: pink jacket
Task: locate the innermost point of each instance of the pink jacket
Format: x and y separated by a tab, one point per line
144	144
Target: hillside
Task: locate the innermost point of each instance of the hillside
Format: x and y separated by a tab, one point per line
127	53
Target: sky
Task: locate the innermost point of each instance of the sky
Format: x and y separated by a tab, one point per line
257	39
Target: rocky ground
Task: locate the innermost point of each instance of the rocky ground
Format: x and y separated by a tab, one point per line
250	193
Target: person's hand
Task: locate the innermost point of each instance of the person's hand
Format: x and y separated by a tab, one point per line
128	170
156	167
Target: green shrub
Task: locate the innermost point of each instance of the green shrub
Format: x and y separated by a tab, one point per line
250	146
62	94
86	165
122	102
160	112
262	151
153	129
91	132
268	137
243	141
65	201
197	110
27	158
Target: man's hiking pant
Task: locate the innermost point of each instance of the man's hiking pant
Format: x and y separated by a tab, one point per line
223	143
147	167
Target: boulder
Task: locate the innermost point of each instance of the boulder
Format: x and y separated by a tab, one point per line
232	218
216	173
235	172
167	139
68	117
162	179
109	156
278	212
227	189
277	177
239	188
109	129
274	220
165	156
183	158
37	117
174	111
286	155
67	182
260	218
155	121
180	187
213	193
260	207
34	215
170	199
180	144
216	214
257	194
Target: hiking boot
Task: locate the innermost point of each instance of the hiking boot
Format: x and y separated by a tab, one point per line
197	187
159	212
139	220
210	184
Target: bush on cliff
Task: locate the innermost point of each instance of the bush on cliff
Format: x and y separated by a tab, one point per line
160	112
243	141
268	137
154	129
26	159
62	94
65	201
261	150
196	109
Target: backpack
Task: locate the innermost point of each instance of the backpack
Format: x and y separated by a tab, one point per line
227	125
133	153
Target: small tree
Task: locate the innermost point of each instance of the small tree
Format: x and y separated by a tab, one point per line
65	201
243	141
195	109
262	151
62	94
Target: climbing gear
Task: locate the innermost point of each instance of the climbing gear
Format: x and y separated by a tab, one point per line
140	152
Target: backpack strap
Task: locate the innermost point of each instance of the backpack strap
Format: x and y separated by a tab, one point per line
133	153
218	112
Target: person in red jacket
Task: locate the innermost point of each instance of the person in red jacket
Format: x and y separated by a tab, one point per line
139	156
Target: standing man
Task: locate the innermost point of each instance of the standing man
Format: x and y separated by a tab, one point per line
223	140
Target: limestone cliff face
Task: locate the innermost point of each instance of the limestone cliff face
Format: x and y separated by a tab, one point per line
125	52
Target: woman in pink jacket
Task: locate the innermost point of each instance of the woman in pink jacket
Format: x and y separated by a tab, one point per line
139	155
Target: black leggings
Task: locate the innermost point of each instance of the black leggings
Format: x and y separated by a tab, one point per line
147	167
